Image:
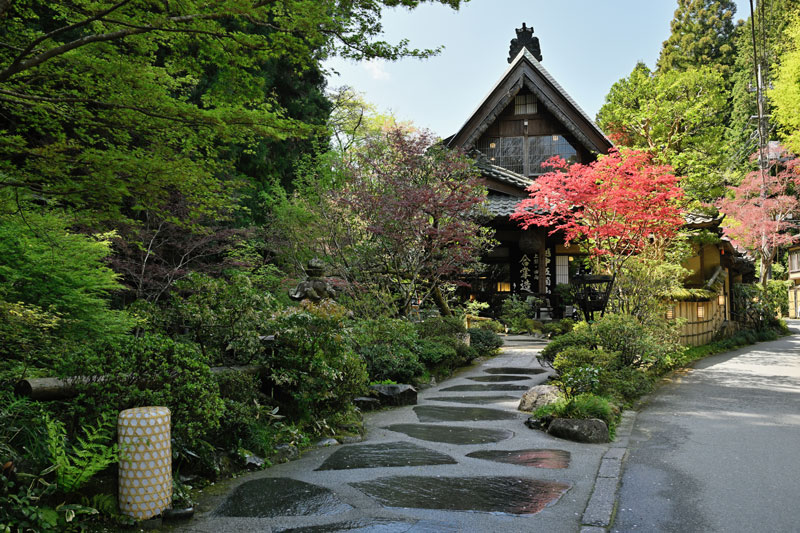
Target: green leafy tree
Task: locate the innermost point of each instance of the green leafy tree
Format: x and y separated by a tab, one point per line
771	20
108	102
785	96
677	117
57	277
701	36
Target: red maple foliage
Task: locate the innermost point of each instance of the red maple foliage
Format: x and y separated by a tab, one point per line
418	203
613	207
760	212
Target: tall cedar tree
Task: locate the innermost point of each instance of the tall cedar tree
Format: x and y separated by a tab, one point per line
702	32
759	216
771	20
613	208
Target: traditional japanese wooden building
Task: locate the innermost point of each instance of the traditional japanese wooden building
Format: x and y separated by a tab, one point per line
526	118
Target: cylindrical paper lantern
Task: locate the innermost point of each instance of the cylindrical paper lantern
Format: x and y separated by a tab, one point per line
145	464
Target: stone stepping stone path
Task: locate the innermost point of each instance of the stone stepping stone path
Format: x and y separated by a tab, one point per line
377	525
498	378
452	434
476	388
269	497
534	458
384	455
514	370
488	494
437	413
468	466
474	399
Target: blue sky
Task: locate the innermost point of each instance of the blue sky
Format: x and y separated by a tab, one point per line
587	45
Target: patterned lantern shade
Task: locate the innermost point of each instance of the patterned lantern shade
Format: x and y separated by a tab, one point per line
145	465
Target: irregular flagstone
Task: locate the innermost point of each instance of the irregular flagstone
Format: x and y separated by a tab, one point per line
269	497
384	455
514	370
377	525
473	399
499	387
437	413
539	458
498	379
452	434
488	494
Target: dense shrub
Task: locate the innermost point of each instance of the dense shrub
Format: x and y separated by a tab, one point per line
151	370
491	325
582	406
394	363
49	269
441	326
626	384
314	364
636	344
226	317
756	308
388	347
246	410
433	353
484	341
777	296
554	329
581	336
518	314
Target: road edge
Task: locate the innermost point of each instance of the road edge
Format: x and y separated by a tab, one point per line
599	512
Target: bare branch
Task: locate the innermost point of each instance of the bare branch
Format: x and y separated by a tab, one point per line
32	46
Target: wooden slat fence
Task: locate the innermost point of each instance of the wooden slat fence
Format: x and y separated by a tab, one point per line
699	330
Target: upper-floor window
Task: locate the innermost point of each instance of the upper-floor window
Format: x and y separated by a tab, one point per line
794	261
506	152
525	104
543	147
525	155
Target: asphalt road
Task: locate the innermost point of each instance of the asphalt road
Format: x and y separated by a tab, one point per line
718	448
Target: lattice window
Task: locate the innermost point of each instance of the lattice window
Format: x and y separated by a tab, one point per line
543	147
525	104
562	269
504	151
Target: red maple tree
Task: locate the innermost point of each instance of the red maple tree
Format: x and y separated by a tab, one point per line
613	208
417	202
759	215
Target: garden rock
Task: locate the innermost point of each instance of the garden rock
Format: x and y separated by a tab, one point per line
253	462
366	404
285	452
395	395
589	430
327	442
539	423
538	396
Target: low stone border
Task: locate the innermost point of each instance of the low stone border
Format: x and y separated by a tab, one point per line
600	509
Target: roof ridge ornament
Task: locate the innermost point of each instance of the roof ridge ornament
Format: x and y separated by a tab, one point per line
524	39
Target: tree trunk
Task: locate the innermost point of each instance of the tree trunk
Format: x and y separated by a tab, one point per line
441	303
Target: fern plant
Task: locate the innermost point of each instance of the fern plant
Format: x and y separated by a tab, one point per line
75	465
